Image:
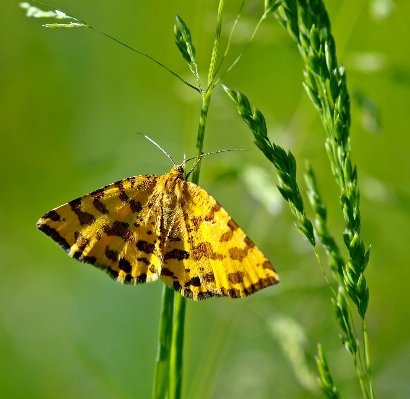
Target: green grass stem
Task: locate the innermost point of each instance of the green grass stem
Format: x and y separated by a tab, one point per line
206	99
176	361
214	54
228	46
270	6
367	359
161	386
185	45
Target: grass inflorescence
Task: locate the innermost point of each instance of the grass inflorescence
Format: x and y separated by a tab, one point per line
283	161
325	83
307	22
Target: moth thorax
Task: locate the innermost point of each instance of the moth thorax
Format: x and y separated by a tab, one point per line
178	170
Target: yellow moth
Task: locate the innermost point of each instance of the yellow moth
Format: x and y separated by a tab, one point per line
147	227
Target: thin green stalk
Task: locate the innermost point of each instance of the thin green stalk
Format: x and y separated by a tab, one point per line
162	363
176	361
206	98
180	302
322	269
184	43
214	55
168	365
148	56
87	25
243	51
269	9
367	358
238	16
207	94
359	374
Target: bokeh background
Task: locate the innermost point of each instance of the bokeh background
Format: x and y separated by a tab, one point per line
71	102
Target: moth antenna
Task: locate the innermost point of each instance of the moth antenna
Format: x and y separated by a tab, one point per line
196	163
214	152
153	142
205	154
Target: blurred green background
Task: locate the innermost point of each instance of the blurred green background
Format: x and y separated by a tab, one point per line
71	101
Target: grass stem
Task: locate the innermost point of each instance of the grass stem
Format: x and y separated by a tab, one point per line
162	363
176	361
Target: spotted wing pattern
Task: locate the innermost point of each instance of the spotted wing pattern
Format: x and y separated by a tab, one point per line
112	228
145	227
211	255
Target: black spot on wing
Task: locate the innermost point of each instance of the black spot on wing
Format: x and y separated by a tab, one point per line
178	254
53	215
142	278
166	272
111	254
124	265
204	295
177	287
143	260
145	246
83	217
195	282
209	277
89	259
136	206
81	241
119	229
55	235
111	272
100	207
